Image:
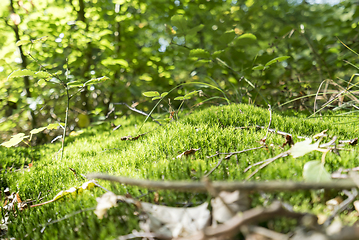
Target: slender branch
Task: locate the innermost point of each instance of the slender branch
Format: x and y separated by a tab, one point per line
66	120
268	161
270	120
138	111
268	186
219	163
230	154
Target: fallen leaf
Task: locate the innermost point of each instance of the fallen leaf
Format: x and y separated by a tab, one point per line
105	202
332	203
321	134
73	191
236	201
322	218
356	205
188	152
175	222
314	171
288	140
301	148
130	138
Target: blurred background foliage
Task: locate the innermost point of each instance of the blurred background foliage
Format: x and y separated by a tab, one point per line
156	45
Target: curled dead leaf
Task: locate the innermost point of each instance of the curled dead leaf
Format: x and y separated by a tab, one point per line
188	152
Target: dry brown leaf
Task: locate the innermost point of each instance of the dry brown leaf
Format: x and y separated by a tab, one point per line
130	138
288	140
188	152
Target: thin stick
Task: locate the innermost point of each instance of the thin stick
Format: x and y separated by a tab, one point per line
268	186
268	233
342	206
219	163
284	154
138	111
232	153
66	119
270	120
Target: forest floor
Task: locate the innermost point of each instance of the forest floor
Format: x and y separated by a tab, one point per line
296	178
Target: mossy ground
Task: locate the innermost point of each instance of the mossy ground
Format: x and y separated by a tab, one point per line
153	156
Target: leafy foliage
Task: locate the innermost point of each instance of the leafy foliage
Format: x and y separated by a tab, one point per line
284	49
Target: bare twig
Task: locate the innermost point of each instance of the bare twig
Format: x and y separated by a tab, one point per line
342	206
271	130
270	120
267	186
230	154
143	235
232	226
64	218
219	163
138	111
268	233
268	161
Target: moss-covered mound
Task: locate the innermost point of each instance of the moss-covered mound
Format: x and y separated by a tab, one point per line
155	156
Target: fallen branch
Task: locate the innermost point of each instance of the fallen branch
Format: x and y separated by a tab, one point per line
342	206
252	216
268	186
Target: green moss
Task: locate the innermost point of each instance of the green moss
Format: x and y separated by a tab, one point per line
154	156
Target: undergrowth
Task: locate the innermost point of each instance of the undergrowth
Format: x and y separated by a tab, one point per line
154	156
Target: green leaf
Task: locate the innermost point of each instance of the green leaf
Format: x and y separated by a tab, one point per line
74	84
37	130
179	98
301	148
189	95
276	60
259	67
155	98
42	74
41	82
52	126
217	53
42	39
16	139
245	39
146	77
96	80
195	30
226	38
21	73
314	171
248	36
22	42
164	94
111	61
151	94
180	22
199	53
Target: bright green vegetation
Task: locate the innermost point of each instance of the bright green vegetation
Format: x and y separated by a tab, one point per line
153	156
286	49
